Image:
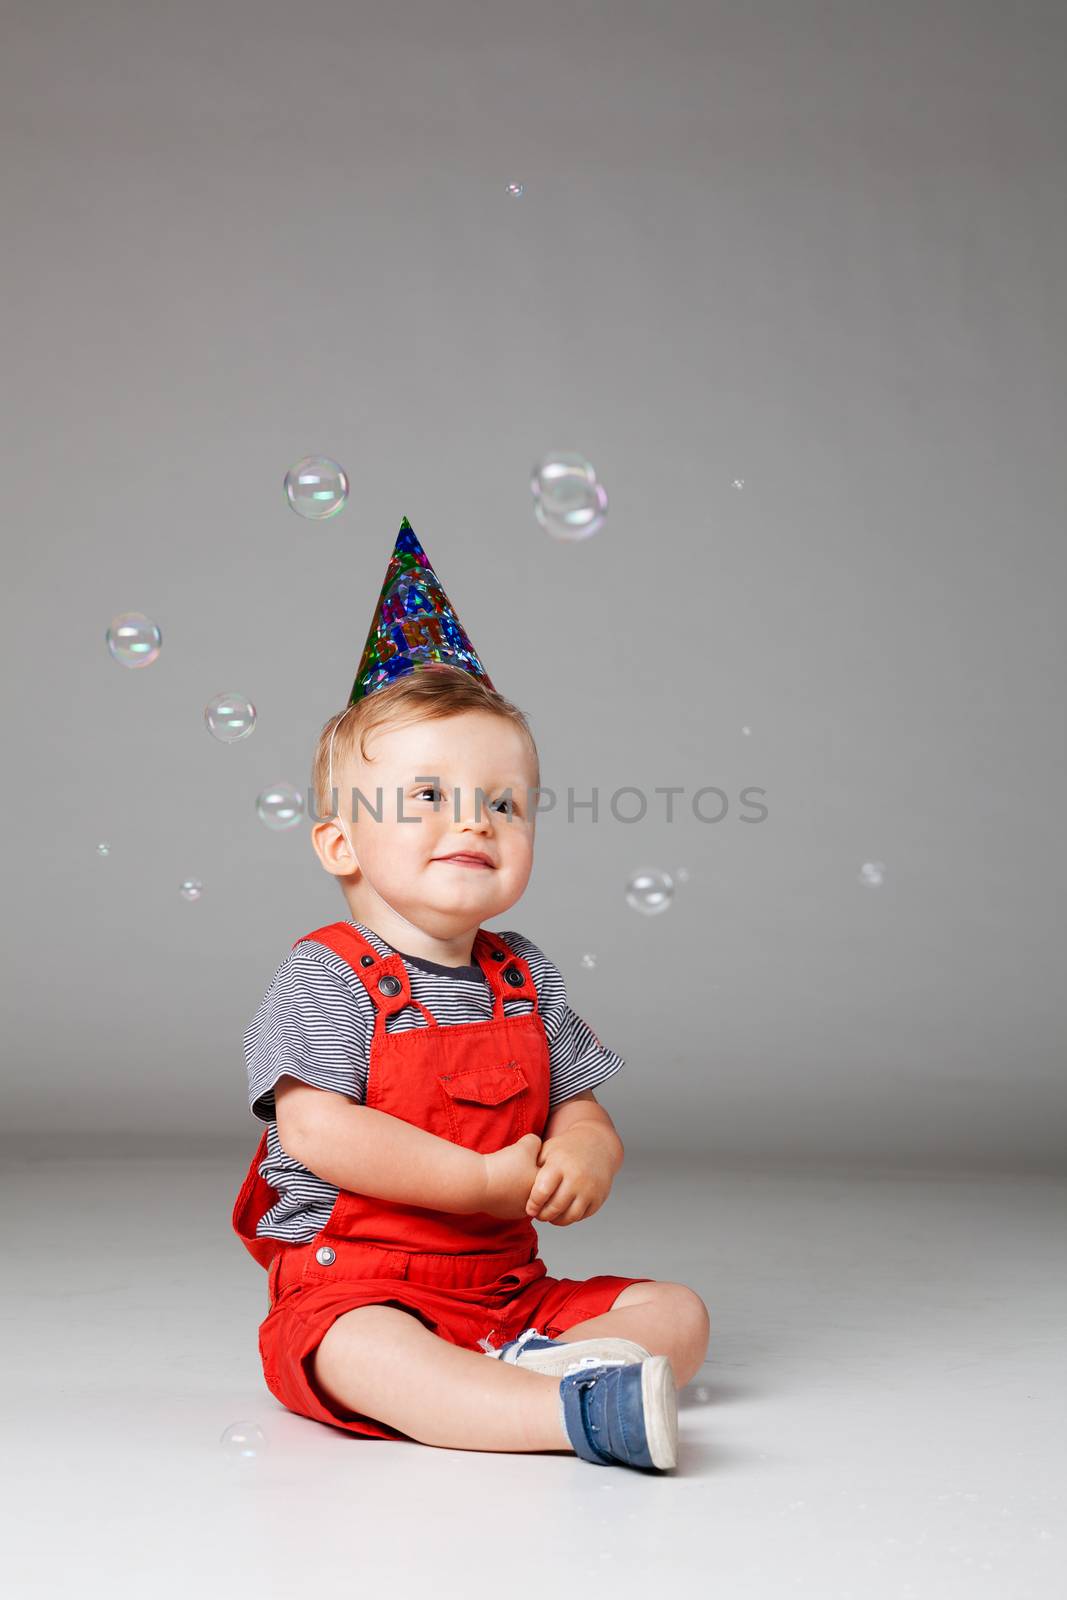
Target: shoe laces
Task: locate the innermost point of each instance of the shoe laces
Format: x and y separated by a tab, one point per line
516	1345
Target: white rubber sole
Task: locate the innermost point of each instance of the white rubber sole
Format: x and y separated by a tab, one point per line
659	1395
566	1357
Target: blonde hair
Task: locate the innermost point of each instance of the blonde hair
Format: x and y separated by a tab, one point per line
426	694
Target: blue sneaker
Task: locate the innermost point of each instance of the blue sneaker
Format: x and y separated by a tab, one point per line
624	1415
558	1357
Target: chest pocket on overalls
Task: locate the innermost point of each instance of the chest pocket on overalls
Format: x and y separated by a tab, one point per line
487	1107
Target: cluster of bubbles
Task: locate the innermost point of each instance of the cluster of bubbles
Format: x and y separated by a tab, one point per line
569	503
135	641
316	488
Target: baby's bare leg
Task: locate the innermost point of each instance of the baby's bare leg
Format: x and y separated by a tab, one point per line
386	1364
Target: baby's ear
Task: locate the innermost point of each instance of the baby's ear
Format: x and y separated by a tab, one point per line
331	847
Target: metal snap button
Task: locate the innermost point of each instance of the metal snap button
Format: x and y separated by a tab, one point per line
499	955
389	984
325	1256
513	976
366	961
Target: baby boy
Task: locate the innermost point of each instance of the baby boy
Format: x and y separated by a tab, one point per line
429	1095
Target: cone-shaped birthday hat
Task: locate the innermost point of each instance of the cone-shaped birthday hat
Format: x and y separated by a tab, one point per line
415	626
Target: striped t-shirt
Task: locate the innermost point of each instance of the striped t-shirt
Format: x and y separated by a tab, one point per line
316	1023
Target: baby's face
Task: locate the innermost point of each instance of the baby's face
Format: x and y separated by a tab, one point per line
429	773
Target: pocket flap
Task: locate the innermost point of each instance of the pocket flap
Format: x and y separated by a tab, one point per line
488	1086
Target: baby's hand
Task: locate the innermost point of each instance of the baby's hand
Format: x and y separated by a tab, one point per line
509	1176
574	1180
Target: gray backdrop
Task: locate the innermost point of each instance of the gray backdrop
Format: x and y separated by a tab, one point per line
814	246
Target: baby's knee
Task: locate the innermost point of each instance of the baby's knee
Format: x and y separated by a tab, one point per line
354	1335
688	1311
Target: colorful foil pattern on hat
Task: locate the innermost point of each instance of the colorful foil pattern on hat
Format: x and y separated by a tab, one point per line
415	626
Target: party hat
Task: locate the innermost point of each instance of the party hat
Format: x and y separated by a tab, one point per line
415	626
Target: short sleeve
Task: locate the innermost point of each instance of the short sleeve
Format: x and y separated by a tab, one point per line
578	1059
310	1025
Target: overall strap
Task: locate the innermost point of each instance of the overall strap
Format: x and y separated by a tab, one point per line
385	978
507	974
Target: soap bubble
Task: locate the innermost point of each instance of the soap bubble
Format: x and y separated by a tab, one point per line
103	849
872	873
243	1441
517	189
569	503
681	874
192	889
280	806
133	639
588	960
747	731
650	891
229	717
316	488
739	483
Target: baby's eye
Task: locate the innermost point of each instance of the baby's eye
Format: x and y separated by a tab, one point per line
434	788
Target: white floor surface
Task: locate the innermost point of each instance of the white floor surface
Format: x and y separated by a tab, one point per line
882	1413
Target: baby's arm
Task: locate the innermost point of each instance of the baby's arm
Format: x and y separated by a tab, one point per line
357	1147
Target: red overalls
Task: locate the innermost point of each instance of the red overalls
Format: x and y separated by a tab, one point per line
465	1276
